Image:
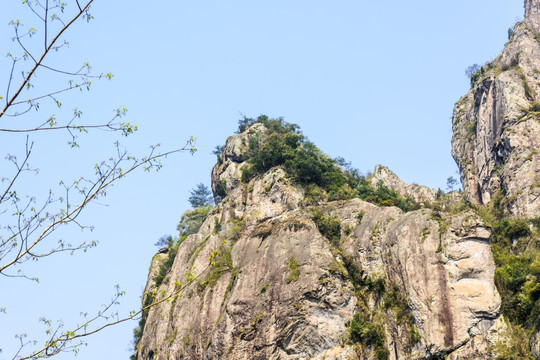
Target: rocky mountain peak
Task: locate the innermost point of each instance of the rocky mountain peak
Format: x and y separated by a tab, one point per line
496	132
292	264
420	194
227	173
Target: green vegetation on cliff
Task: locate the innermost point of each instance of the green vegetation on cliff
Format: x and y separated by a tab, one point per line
516	252
322	177
517	256
305	163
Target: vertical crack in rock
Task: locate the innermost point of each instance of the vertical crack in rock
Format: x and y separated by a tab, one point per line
445	312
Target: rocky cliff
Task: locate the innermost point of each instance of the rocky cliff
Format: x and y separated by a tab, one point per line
304	259
273	282
495	126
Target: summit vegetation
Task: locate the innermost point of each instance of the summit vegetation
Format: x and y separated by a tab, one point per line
322	177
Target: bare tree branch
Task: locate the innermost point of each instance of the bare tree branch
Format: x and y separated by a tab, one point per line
30	223
48	48
61	343
107	174
76	86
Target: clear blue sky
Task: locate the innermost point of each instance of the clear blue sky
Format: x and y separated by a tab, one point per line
371	81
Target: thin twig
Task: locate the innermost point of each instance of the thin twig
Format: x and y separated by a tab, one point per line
67	127
19	170
10	78
22	113
46	22
71	73
34	11
76	86
21	44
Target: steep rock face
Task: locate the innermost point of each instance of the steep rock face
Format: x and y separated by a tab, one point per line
269	285
444	267
496	125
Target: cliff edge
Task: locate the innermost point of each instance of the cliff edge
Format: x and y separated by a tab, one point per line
279	276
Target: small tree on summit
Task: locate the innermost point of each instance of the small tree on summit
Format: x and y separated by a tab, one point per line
201	196
165	241
471	70
451	182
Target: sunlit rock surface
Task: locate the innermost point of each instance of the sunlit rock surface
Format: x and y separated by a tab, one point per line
496	127
280	289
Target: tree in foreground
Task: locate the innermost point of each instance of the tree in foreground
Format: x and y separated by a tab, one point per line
30	220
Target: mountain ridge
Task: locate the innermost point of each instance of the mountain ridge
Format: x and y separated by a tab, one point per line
304	258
